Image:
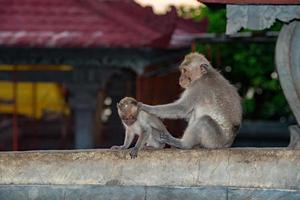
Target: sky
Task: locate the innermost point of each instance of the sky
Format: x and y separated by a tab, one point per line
160	6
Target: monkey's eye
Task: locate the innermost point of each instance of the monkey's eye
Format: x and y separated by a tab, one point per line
204	65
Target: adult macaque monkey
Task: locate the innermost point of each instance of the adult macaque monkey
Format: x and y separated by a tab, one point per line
137	122
210	103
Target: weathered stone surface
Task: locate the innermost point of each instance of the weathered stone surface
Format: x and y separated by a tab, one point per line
85	192
261	194
184	193
259	168
67	192
98	192
258	17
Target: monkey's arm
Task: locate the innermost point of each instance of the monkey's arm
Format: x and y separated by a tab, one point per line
178	109
140	142
127	141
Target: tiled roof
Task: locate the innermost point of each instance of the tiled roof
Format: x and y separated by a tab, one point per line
83	23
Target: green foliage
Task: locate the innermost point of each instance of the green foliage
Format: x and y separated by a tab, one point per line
249	66
217	19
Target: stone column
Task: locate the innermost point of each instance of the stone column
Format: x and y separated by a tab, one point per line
83	103
288	67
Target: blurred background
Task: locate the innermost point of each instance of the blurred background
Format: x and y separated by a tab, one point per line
65	64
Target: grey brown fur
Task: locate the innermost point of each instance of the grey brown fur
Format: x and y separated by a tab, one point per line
137	122
210	104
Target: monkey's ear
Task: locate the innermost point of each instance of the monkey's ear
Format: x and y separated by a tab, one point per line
204	68
118	105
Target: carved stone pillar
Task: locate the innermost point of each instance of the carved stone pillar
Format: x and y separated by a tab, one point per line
288	67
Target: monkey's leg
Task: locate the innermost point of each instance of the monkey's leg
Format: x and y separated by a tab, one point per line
154	140
149	148
139	144
170	140
210	134
186	142
204	132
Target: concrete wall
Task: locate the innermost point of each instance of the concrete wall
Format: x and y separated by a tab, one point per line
227	173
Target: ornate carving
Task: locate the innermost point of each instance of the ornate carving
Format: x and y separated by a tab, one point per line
288	64
258	17
295	137
288	67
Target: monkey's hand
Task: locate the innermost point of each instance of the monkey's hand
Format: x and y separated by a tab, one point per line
142	106
117	147
133	152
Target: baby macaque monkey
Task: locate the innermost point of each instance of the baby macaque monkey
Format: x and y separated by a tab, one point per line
209	102
138	122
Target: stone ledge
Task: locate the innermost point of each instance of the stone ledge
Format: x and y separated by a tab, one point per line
96	192
237	167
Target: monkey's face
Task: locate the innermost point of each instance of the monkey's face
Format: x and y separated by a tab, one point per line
128	115
192	68
191	73
128	110
185	78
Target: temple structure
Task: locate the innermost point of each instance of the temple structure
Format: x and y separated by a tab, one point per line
99	40
220	174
